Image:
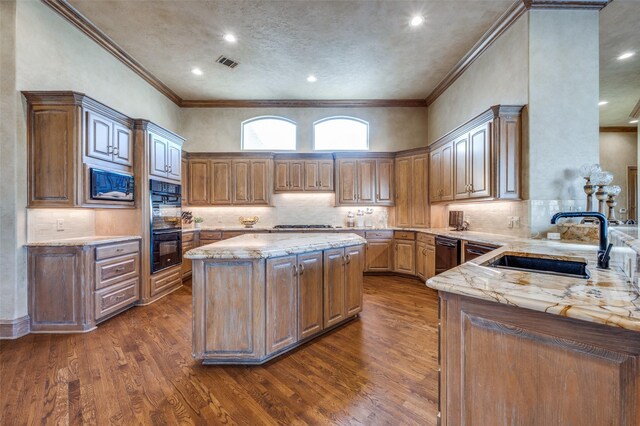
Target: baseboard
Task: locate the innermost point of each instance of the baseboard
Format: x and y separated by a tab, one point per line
16	328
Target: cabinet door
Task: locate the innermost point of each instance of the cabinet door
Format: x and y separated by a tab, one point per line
281	170
353	280
310	295
221	186
187	265
241	181
282	303
347	182
435	175
446	178
421	260
461	180
334	307
325	178
379	256
508	134
296	175
123	145
419	191
405	257
479	166
311	176
184	195
199	182
403	194
158	151
430	261
174	157
384	182
259	182
366	182
99	137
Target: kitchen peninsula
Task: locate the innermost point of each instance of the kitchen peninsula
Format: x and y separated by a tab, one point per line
257	296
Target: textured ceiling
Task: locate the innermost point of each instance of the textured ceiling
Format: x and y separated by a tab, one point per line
619	80
358	49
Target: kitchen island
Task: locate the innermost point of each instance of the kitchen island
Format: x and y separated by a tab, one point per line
530	348
258	296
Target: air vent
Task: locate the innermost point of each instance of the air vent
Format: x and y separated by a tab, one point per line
226	61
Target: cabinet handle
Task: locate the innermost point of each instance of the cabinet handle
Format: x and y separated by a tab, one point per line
115	151
166	168
301	268
119	250
295	270
348	258
471	187
170	169
109	149
119	269
120	297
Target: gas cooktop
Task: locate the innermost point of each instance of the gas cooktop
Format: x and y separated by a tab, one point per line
302	226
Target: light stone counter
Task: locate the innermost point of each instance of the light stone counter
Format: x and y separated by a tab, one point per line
83	241
263	246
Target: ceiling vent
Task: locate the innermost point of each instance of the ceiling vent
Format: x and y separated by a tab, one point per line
226	61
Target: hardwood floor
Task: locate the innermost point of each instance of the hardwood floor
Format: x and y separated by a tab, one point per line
137	369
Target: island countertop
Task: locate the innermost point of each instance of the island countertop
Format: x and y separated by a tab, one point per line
607	297
264	246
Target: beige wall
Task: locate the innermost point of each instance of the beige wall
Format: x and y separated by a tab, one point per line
618	150
42	51
499	76
218	129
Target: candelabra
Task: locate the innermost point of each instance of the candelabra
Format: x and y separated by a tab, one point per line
601	180
613	191
586	171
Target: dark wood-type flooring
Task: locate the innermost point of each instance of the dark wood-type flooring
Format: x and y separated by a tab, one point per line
137	369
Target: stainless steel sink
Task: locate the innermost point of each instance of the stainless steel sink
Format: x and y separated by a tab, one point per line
576	268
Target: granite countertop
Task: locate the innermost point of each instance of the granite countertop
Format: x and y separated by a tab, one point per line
263	246
607	297
84	241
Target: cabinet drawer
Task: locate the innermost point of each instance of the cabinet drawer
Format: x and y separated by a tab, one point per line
403	235
231	234
378	235
110	271
210	235
112	250
110	299
165	280
187	236
186	247
427	238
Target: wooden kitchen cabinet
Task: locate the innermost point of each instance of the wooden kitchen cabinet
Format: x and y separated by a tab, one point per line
184	193
379	251
289	175
412	190
368	181
405	252
334	303
282	303
310	292
480	159
425	256
404	177
221	182
250	182
69	133
353	279
199	190
303	173
318	175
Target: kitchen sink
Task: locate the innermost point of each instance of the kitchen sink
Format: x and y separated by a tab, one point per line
542	265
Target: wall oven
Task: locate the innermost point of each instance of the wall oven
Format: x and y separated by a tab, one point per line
166	225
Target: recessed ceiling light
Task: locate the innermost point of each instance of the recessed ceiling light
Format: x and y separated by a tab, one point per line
312	79
230	38
626	55
602	103
633	121
416	20
197	71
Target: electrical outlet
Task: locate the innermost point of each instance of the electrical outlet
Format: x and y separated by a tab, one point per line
513	221
59	224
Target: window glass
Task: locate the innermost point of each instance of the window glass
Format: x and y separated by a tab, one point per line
269	133
341	134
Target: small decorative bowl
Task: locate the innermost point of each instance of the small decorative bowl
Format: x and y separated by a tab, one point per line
248	222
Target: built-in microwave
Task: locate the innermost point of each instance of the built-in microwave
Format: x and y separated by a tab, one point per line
112	186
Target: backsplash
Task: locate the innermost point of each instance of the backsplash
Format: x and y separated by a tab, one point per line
290	209
42	224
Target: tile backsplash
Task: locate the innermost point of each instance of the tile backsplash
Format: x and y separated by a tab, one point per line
42	224
290	208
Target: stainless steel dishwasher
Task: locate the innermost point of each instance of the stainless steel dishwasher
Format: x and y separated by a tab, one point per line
447	253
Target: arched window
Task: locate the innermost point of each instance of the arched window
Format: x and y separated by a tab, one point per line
340	134
269	133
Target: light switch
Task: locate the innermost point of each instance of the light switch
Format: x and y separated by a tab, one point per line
59	224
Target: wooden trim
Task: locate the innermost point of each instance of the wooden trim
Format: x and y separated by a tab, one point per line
566	4
147	125
413	151
15	328
304	103
617	129
240	154
635	113
64	9
303	156
502	24
363	155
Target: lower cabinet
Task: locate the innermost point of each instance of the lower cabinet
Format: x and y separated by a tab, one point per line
72	288
405	252
425	256
166	280
342	283
379	251
189	241
310	291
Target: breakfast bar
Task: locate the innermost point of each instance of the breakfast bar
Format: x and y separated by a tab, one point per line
257	296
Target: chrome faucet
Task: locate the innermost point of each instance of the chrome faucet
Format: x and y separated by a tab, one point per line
604	250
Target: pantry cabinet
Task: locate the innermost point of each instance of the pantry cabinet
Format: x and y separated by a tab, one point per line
485	154
412	193
368	181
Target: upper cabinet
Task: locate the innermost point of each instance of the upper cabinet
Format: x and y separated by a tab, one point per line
165	155
479	160
296	173
365	181
68	134
412	189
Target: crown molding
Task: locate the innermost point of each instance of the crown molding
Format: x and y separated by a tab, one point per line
618	129
303	103
566	4
635	112
503	23
64	9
